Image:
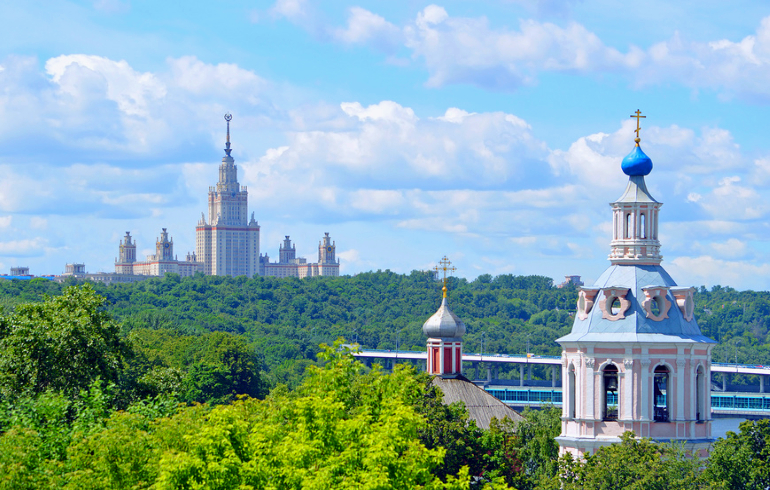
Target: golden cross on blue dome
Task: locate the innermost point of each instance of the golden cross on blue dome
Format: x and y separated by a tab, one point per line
446	266
638	116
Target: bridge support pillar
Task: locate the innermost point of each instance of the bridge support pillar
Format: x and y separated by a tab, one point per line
761	383
553	376
529	373
521	374
724	381
489	373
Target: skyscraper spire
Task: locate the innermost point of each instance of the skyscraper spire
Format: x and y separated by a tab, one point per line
228	118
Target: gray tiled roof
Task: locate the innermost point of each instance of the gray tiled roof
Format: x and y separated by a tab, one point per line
481	405
635	327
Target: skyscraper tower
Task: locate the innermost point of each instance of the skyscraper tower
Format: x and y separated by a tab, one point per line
164	248
228	244
126	255
635	359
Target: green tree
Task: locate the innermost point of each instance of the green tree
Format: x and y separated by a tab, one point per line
63	344
536	447
741	461
633	464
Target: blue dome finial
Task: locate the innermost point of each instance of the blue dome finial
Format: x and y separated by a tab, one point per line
636	162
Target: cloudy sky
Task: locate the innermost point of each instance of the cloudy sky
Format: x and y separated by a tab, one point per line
489	131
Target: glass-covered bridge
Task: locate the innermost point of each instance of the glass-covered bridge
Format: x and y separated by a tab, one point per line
521	392
727	403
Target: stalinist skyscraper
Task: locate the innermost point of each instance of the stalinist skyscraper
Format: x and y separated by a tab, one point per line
228	245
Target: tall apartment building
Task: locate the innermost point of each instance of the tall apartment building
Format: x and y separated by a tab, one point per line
228	243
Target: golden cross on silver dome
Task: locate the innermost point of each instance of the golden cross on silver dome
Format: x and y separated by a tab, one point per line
446	266
638	116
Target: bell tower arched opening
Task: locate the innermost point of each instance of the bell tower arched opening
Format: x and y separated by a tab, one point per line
662	394
610	392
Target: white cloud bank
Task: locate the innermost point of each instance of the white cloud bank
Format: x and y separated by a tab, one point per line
394	187
469	50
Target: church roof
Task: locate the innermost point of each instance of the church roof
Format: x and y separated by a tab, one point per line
481	405
636	191
635	327
444	323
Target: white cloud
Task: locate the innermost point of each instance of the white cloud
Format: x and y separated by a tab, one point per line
732	248
22	248
732	201
98	108
365	27
83	76
387	144
469	50
38	223
709	271
291	9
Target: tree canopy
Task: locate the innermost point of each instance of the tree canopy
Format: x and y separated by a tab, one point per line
62	344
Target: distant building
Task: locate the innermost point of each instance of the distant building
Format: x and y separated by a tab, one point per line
159	264
570	281
228	243
289	265
78	271
75	270
20	271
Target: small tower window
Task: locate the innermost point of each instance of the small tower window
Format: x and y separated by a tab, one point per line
629	226
661	396
615	308
643	226
610	392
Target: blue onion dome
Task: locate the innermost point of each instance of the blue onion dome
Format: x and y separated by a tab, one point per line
636	163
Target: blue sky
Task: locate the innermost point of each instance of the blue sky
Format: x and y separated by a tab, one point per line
489	131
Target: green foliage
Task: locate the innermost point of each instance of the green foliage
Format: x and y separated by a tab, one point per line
741	461
285	320
633	464
62	344
536	446
210	368
342	428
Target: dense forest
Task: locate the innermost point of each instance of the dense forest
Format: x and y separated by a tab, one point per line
284	320
179	384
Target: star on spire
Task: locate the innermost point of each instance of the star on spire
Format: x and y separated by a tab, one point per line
228	118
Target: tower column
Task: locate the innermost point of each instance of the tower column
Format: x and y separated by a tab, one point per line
645	380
